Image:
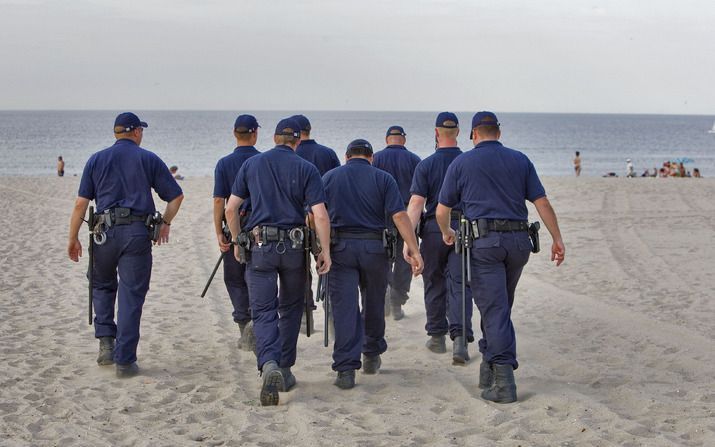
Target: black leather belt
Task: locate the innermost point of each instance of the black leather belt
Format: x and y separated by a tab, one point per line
368	235
501	225
119	216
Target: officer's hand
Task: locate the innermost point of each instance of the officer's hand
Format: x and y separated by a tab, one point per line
558	252
74	250
450	237
163	234
223	244
323	262
236	252
414	259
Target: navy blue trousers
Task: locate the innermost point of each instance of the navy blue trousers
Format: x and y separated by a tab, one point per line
276	315
497	262
442	278
399	275
127	252
359	268
234	277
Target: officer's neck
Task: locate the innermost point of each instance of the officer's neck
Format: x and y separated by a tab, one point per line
132	138
446	142
479	140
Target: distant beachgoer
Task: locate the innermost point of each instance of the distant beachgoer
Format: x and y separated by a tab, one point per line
174	170
681	170
577	163
696	172
60	166
630	171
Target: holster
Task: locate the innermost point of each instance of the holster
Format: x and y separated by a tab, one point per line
153	224
244	247
534	235
389	241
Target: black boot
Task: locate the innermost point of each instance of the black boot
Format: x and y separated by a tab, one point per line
486	375
106	351
460	353
371	365
436	344
345	380
503	391
127	371
272	383
289	379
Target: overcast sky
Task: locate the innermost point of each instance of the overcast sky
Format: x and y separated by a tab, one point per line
615	56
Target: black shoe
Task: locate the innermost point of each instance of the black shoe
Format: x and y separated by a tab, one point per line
370	365
460	353
248	338
486	375
397	312
272	383
436	344
345	380
106	351
503	390
288	379
127	371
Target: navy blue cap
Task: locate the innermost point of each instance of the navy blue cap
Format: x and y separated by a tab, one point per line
360	144
447	116
245	124
128	121
288	127
303	122
395	130
484	119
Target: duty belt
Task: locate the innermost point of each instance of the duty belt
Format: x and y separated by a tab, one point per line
119	216
484	226
297	237
368	235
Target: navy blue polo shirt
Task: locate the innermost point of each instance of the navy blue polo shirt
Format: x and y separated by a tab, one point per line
123	175
321	156
360	197
492	182
280	185
400	163
227	169
429	174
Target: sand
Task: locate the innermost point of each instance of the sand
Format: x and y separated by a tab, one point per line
616	346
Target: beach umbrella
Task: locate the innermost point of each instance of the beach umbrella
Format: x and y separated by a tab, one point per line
684	160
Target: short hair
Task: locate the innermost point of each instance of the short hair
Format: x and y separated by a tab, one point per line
487	131
243	134
286	139
449	132
399	137
359	151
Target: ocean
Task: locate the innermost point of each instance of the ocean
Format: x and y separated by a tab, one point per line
30	141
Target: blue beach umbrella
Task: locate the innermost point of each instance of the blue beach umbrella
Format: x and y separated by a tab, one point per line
684	160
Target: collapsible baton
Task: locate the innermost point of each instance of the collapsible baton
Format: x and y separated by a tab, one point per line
90	268
306	293
463	246
227	234
324	295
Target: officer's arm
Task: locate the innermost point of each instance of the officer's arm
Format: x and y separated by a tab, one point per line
234	224
415	208
442	216
412	251
169	213
74	247
322	227
548	215
219	203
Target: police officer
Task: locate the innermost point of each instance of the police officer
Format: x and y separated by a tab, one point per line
359	197
280	185
120	179
442	275
400	163
245	130
492	183
322	157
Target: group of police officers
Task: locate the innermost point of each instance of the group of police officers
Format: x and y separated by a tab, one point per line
266	207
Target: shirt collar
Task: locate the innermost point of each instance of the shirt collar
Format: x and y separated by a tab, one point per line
125	141
450	148
240	148
488	143
358	160
396	146
283	147
308	141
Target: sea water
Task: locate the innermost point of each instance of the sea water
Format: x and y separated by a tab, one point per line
31	141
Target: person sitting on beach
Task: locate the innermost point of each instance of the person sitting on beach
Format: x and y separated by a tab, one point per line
174	170
696	173
60	166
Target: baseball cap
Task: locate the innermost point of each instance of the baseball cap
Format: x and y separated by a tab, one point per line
395	130
360	144
484	119
128	121
246	124
288	127
303	122
445	117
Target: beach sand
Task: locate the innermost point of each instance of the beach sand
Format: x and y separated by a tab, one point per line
616	345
